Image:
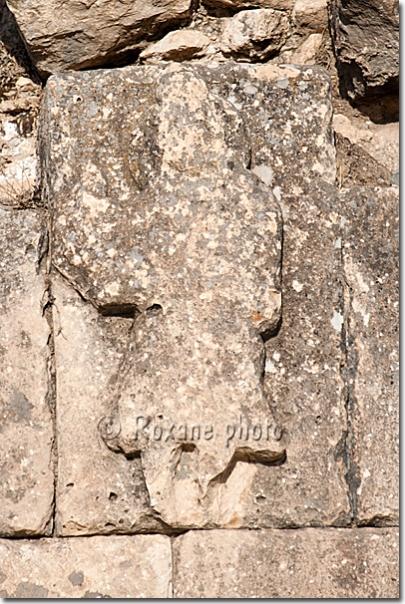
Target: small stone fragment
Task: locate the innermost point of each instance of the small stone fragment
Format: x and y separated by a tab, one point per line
180	45
254	34
305	53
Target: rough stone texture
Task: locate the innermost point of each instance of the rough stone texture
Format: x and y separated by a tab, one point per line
96	567
380	141
102	210
76	35
26	489
254	34
365	35
19	103
309	563
306	52
370	239
302	372
311	15
180	45
98	491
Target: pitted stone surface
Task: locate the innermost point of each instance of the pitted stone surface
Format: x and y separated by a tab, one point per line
158	216
303	374
91	567
63	35
26	432
98	491
308	563
370	239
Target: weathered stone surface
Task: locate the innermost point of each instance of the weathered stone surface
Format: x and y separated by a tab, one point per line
305	53
26	433
370	225
309	563
92	567
77	35
146	215
380	141
98	491
179	45
365	35
311	15
254	34
302	374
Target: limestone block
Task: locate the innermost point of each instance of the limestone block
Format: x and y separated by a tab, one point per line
179	45
371	255
98	491
254	34
308	563
161	227
365	36
26	488
311	15
91	567
302	374
77	35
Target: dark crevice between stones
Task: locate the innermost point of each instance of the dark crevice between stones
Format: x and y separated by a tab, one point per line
44	259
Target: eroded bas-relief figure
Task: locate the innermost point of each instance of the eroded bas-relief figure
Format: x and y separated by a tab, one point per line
203	236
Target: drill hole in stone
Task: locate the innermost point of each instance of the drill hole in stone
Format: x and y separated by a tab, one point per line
124	311
154	310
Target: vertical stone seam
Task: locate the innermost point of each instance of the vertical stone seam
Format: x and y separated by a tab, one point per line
348	374
47	309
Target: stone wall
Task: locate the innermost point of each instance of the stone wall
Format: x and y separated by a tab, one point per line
199	294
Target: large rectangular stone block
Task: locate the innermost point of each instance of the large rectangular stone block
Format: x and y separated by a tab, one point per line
26	427
370	239
304	563
163	183
92	567
98	491
303	375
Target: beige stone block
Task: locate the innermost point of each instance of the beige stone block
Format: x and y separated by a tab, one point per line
167	240
303	374
254	34
92	567
26	430
370	244
76	35
98	491
181	45
308	563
